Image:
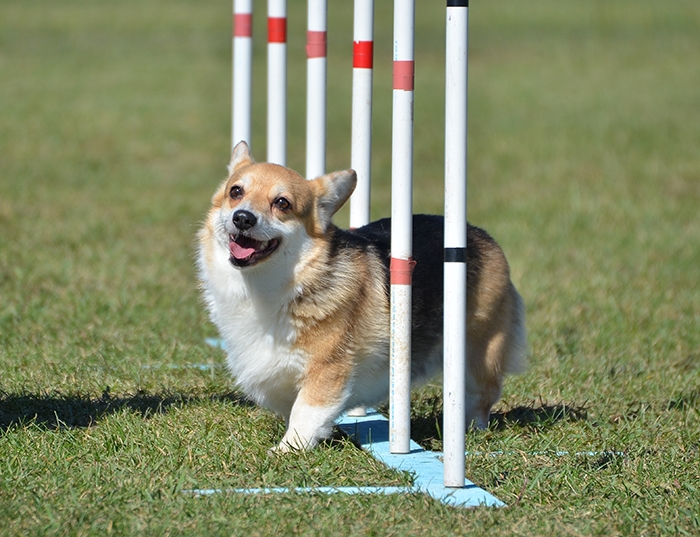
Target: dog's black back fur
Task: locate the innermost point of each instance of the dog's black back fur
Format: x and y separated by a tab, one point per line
428	274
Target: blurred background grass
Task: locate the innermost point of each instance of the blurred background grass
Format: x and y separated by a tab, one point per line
583	163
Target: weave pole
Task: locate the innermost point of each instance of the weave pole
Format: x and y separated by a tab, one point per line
277	81
401	266
361	138
242	71
455	301
402	176
362	74
316	88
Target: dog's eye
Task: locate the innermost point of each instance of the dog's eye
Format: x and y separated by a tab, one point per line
282	204
236	192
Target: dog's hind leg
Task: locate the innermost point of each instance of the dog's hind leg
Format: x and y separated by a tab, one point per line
496	346
484	384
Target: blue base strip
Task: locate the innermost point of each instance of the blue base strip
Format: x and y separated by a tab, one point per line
215	342
620	454
305	490
201	367
372	433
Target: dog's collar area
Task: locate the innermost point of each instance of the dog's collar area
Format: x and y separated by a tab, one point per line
246	251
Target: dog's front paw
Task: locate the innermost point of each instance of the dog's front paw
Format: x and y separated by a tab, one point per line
294	442
281	449
274	451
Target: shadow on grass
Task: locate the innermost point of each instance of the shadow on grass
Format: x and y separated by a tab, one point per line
425	430
538	416
56	411
686	400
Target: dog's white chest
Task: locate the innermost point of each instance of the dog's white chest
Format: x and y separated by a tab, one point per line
265	364
259	336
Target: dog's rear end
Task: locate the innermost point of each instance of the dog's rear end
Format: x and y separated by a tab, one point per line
496	334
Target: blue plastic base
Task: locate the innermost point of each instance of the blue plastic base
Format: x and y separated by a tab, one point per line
372	433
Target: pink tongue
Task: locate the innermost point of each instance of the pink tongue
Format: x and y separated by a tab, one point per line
238	251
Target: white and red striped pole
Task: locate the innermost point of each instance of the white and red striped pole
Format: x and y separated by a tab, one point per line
401	227
242	71
455	301
361	145
362	74
277	81
316	88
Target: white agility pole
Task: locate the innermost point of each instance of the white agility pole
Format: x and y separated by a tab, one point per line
277	81
242	71
361	145
362	74
316	88
455	301
401	227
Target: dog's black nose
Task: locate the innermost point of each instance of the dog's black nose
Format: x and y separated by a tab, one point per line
244	220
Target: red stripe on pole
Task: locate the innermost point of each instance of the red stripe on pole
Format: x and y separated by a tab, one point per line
363	54
315	44
277	29
400	271
403	75
243	25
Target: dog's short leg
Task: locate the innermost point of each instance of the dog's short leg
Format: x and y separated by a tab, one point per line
308	424
496	339
478	407
324	391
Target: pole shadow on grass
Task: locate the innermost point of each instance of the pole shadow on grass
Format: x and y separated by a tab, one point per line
57	410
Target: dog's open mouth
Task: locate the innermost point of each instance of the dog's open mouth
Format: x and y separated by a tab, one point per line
246	251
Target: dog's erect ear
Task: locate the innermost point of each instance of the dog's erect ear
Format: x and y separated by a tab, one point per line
334	189
239	157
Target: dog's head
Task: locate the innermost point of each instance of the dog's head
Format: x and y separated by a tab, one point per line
263	209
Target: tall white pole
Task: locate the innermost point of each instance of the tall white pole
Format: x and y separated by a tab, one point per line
455	302
361	150
362	73
401	227
277	81
316	88
241	109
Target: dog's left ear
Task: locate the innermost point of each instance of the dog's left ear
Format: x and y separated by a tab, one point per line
334	189
239	157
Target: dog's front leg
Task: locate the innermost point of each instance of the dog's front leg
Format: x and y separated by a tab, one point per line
309	422
324	389
321	399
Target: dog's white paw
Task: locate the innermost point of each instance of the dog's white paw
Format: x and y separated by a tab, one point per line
294	442
278	450
284	447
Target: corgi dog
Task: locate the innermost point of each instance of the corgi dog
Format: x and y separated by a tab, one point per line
303	306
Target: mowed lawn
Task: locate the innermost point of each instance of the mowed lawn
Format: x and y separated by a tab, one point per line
584	163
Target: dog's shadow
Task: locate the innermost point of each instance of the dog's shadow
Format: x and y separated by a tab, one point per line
69	411
542	416
425	430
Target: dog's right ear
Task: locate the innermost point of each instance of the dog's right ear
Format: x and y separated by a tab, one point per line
239	157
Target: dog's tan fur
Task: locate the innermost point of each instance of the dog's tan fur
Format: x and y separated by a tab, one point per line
316	310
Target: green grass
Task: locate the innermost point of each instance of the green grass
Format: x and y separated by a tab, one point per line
584	164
